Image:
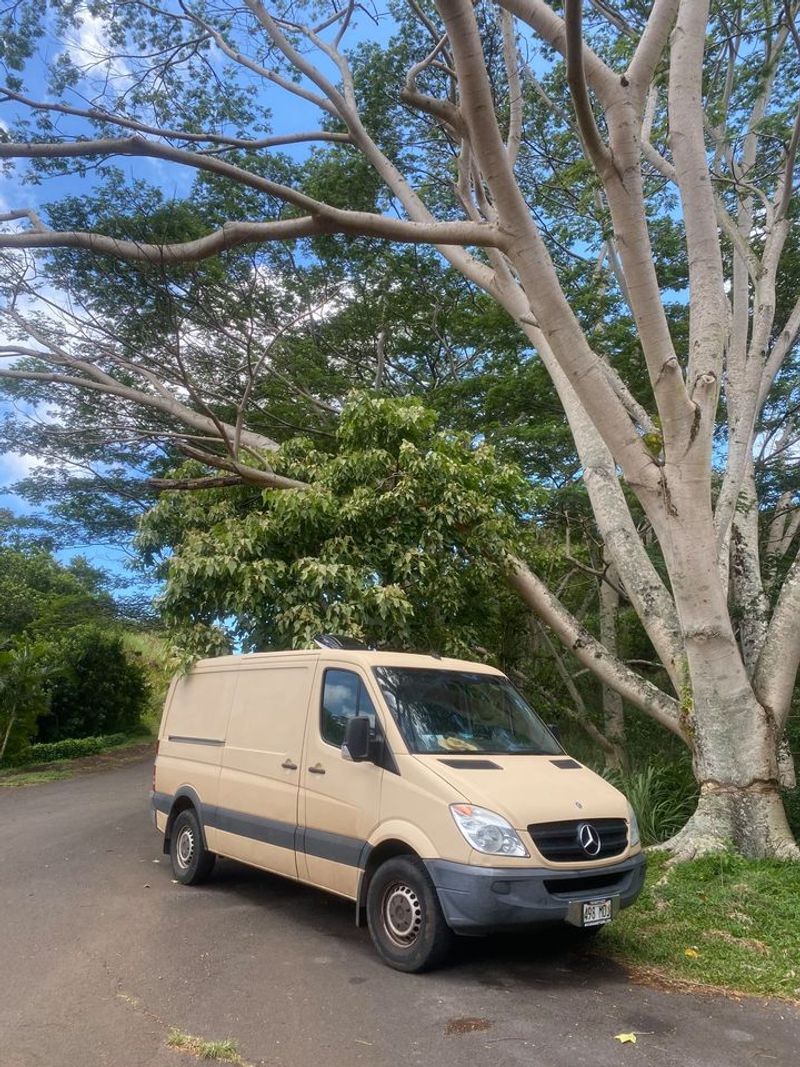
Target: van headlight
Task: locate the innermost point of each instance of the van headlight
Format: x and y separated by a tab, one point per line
633	828
487	831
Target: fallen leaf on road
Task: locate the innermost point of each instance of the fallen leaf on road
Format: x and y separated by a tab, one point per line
625	1039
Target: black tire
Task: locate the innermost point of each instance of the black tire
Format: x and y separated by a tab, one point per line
192	863
405	918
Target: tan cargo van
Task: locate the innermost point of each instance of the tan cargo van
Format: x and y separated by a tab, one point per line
423	789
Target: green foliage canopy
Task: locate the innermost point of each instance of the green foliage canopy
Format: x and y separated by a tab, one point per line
400	539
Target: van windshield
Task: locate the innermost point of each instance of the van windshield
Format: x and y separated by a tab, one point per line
439	711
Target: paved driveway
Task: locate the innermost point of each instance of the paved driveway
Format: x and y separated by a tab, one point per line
101	954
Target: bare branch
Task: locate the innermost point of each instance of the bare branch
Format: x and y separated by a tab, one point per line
596	149
588	650
192	484
541	17
511	60
101	116
651	45
708	311
776	671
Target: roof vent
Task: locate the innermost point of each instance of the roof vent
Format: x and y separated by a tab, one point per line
350	644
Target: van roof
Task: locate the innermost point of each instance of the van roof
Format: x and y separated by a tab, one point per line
366	658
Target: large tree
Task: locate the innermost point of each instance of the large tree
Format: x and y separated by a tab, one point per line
517	141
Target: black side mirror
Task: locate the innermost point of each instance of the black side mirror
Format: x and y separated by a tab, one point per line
555	730
356	739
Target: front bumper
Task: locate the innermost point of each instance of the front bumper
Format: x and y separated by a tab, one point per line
482	899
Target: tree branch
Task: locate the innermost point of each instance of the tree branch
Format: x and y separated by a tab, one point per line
101	116
596	149
588	650
776	672
651	45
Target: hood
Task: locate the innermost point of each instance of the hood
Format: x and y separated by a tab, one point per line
529	789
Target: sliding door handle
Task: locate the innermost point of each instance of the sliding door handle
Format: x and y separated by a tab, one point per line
317	769
288	765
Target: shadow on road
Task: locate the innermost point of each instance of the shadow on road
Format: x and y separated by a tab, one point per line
552	956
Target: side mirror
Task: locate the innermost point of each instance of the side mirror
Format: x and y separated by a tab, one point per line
555	730
356	739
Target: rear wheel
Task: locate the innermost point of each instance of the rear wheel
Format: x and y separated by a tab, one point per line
191	861
405	918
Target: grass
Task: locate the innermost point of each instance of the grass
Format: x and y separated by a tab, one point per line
65	768
662	801
719	921
226	1051
19	778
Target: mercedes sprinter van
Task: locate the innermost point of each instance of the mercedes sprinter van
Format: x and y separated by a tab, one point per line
424	789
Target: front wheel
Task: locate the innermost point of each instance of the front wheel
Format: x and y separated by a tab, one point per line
191	861
405	918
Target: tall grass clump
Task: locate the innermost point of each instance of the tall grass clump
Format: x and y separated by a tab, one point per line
662	799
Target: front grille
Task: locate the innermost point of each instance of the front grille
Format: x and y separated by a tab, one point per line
558	841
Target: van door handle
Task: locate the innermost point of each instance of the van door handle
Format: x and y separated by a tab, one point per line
317	769
288	765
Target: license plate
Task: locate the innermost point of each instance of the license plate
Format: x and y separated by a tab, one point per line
596	912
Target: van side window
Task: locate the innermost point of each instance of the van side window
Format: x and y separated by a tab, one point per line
344	696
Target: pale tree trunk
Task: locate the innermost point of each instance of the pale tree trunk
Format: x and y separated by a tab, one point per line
613	707
734	738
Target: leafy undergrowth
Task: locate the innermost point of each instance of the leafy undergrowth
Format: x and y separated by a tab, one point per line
118	755
69	748
718	921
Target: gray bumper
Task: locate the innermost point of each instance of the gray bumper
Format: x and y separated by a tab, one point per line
480	899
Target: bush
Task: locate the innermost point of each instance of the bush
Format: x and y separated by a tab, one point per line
662	802
24	695
71	748
96	689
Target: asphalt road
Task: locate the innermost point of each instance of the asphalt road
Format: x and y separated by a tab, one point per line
101	954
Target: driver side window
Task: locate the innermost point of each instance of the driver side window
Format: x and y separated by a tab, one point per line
344	696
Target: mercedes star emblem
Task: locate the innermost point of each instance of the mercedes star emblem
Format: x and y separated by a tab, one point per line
588	839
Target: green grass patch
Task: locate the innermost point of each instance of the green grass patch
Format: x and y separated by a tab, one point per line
720	921
12	779
226	1051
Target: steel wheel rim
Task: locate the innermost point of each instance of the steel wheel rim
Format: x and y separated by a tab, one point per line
184	848
401	911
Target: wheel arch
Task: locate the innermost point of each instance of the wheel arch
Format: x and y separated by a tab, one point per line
184	798
385	849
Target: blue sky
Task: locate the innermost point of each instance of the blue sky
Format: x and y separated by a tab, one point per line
288	114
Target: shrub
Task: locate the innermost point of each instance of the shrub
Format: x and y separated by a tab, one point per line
96	688
662	801
71	748
23	694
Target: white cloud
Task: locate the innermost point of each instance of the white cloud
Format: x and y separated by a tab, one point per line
14	466
90	49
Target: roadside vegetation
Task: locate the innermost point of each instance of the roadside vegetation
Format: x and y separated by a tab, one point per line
224	1051
77	675
720	921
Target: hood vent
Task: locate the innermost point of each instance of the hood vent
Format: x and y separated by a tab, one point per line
566	764
471	764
